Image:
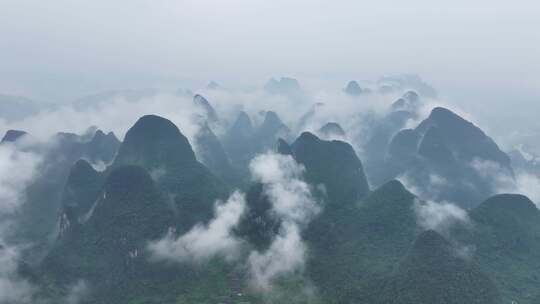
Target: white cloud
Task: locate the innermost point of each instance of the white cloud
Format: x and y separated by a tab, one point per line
116	114
293	203
528	185
13	289
273	168
76	293
431	214
205	241
522	182
285	255
440	217
17	169
437	180
499	177
290	196
429	192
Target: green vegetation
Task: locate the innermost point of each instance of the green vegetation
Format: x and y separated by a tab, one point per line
364	247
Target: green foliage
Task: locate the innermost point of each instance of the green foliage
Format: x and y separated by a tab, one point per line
433	272
364	247
157	145
353	245
506	238
333	164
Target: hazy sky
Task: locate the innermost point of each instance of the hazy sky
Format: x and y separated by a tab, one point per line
475	49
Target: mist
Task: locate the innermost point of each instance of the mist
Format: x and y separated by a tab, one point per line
101	45
17	170
481	56
443	97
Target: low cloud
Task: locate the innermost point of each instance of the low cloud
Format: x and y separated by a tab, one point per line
286	255
355	114
441	217
290	196
99	166
428	104
117	114
17	170
528	185
497	176
77	293
203	242
13	289
436	184
522	182
294	204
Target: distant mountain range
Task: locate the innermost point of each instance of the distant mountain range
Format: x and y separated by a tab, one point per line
419	219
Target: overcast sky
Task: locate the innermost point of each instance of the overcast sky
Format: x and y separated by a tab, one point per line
486	51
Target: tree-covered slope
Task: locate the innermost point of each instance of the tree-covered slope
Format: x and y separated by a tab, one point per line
157	145
433	272
506	238
333	164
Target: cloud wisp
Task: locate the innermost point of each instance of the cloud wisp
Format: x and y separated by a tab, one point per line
203	242
13	289
17	170
294	204
441	217
116	114
521	182
77	293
